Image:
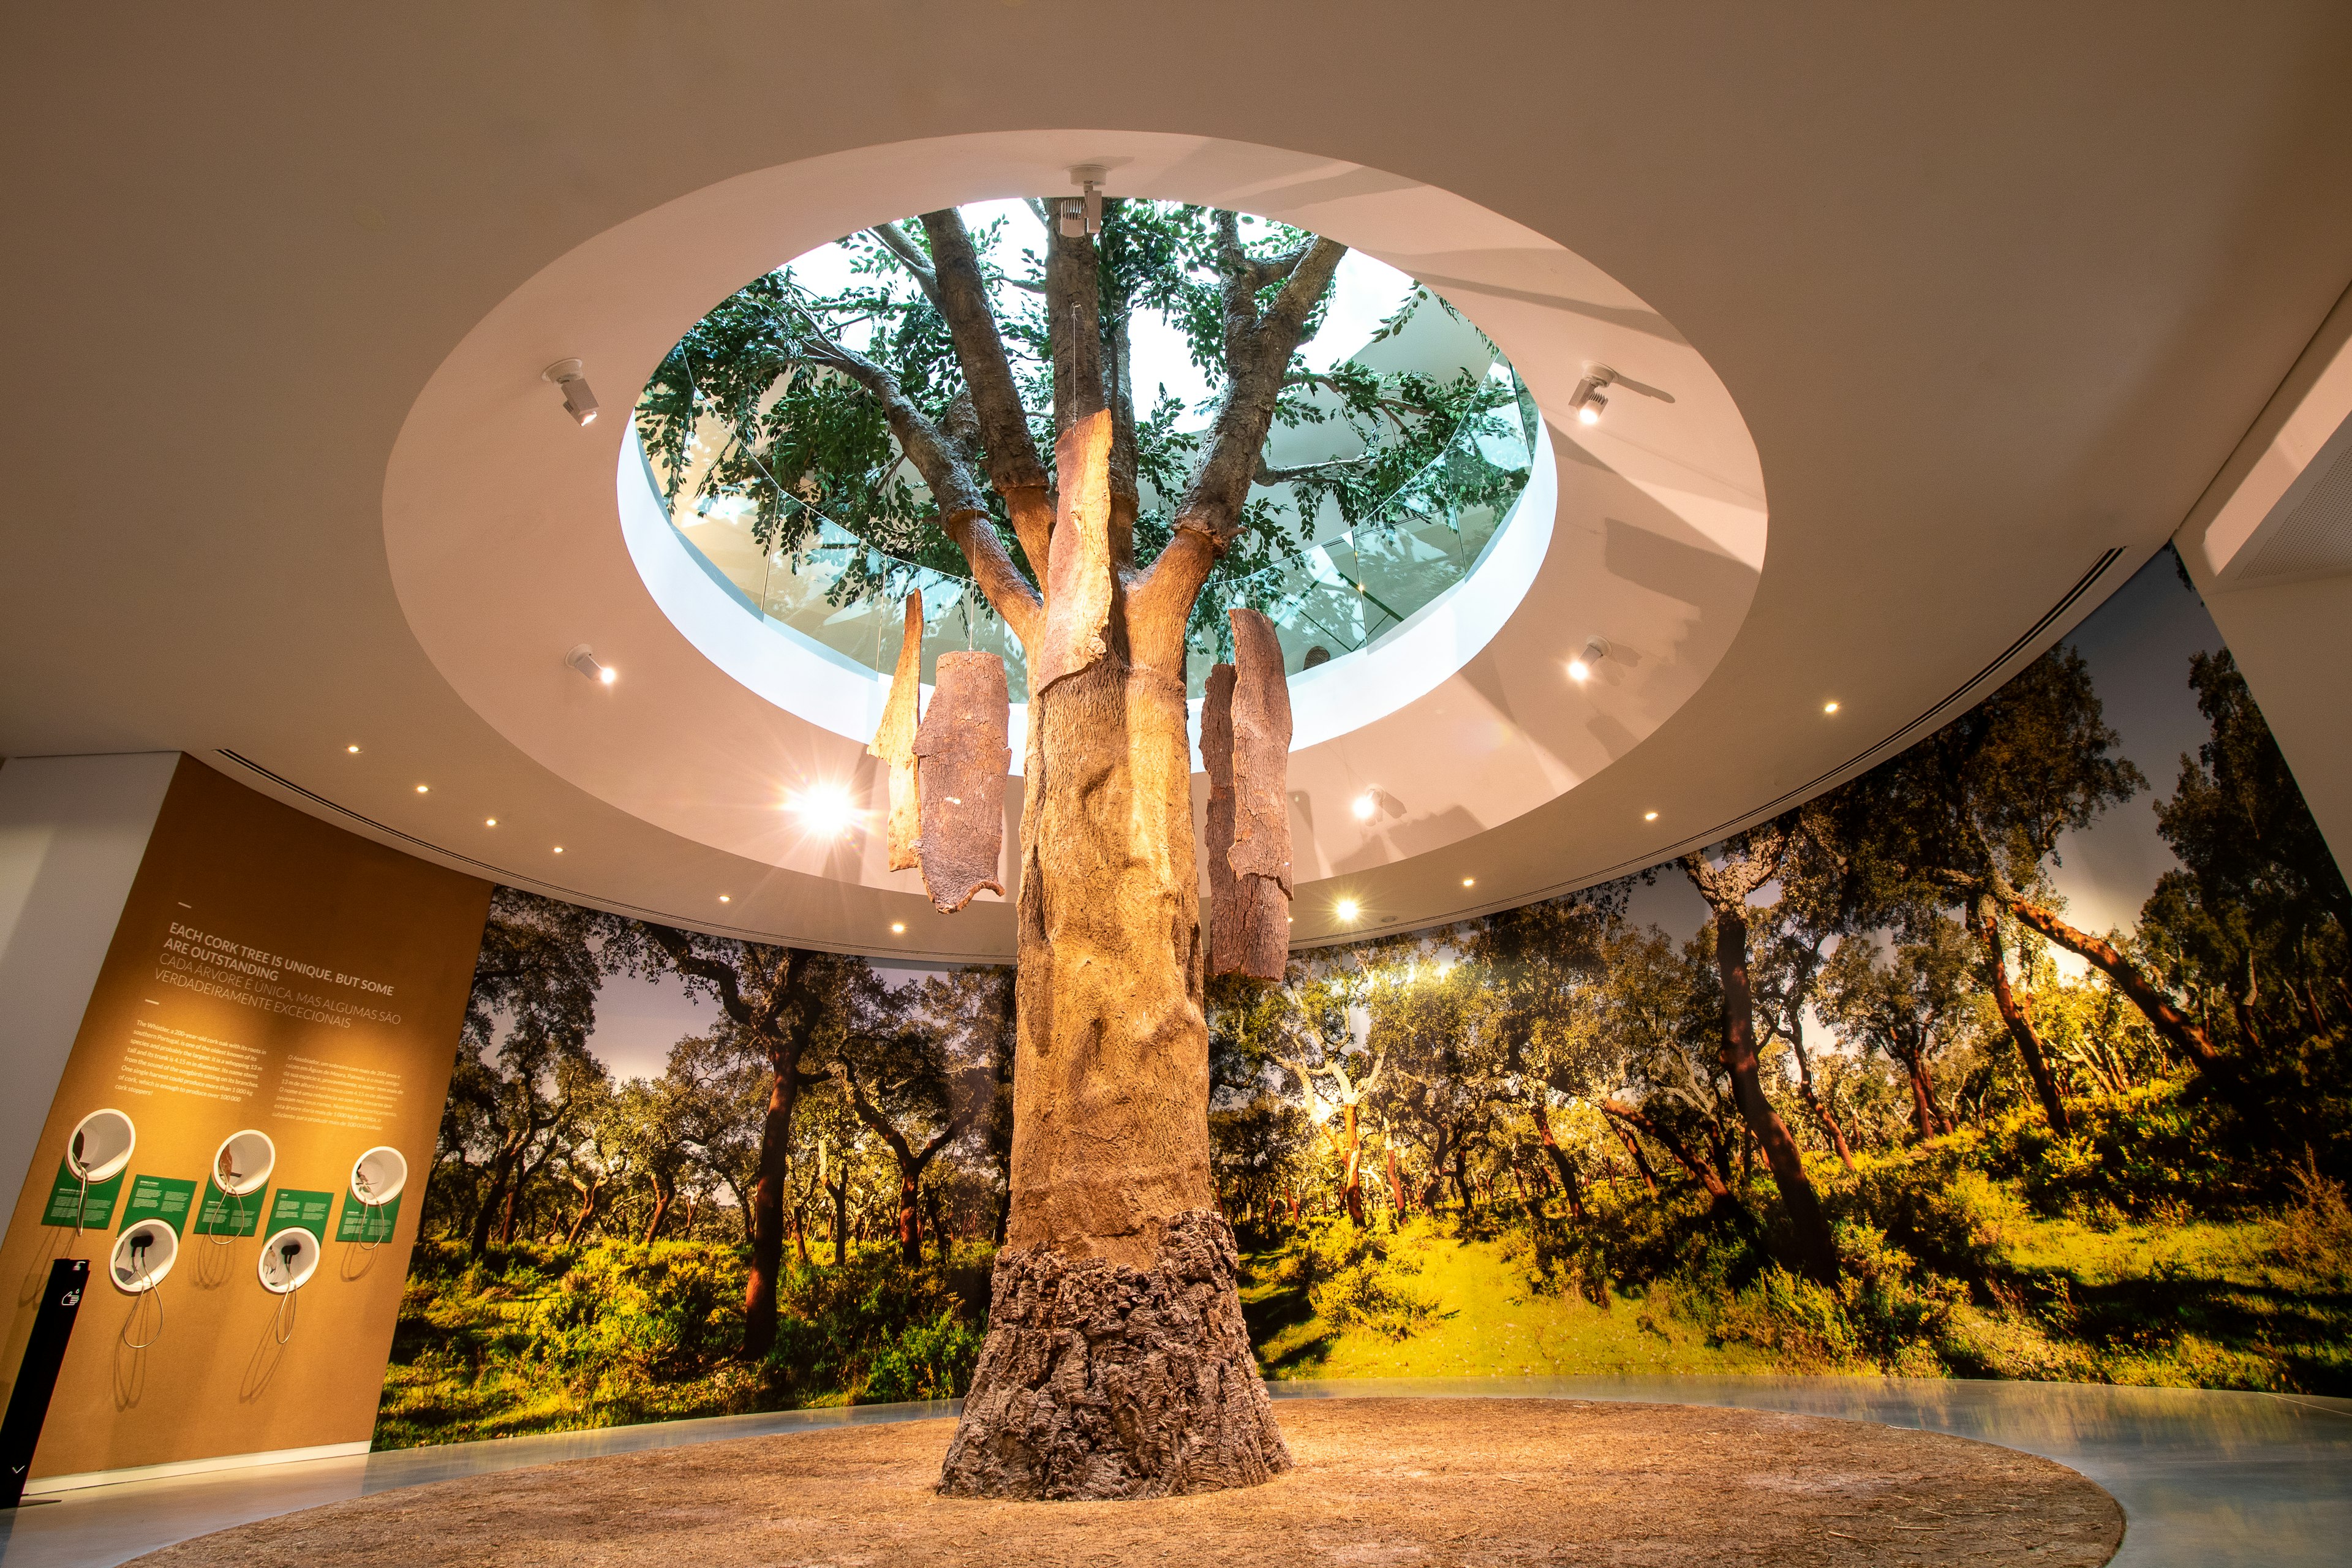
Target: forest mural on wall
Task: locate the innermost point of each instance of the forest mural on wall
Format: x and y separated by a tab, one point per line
1860	1090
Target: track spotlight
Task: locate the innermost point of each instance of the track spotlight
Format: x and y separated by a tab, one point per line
1588	404
581	660
1082	214
1580	668
577	399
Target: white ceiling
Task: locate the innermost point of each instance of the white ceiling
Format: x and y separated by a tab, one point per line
1997	290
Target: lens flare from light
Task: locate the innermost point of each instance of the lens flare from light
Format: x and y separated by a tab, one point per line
824	810
1365	804
1348	909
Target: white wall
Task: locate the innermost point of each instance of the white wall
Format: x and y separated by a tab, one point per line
72	833
2294	644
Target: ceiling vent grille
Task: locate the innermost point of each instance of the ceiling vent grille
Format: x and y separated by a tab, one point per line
2314	539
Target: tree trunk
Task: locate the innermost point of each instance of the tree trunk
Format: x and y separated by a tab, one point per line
1816	1251
1698	1170
1812	1100
1923	1098
1397	1206
840	1222
1080	1392
501	1166
587	1212
1352	1187
1560	1164
2021	1022
910	1222
513	1204
768	1194
2176	1028
665	1192
1633	1153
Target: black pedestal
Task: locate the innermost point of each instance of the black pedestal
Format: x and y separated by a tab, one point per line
36	1379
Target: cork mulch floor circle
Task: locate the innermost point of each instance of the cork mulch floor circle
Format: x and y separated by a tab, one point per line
1379	1481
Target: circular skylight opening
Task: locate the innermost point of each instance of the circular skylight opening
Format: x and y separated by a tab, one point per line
1401	442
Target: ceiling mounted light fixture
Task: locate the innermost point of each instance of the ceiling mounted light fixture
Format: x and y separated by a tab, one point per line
1347	909
578	401
1365	804
1580	668
897	928
1082	214
1587	403
1829	706
1649	817
582	659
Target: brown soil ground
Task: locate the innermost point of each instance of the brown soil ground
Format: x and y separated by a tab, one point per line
1420	1481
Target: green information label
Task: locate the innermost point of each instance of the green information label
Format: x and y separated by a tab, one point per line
91	1208
223	1214
362	1223
166	1198
290	1208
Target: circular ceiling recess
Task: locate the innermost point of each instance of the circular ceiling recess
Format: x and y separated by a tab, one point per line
1482	650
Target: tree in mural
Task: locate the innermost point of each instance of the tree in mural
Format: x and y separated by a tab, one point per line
1032	464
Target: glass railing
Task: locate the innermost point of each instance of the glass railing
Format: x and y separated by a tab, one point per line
1353	586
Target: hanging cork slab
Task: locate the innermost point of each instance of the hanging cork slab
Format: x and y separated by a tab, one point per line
894	739
1217	757
1077	573
964	758
1261	853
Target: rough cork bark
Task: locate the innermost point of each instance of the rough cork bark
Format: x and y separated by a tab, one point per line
1217	838
1261	852
1098	1380
894	740
964	759
1111	1195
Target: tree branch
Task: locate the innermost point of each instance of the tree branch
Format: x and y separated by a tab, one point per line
1257	352
962	514
1013	467
896	242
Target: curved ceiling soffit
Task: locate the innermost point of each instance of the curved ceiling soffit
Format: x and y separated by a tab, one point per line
510	533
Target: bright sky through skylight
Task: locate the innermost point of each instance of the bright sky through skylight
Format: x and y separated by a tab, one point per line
1365	293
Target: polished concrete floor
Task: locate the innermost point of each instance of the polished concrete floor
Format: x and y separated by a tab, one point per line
2203	1478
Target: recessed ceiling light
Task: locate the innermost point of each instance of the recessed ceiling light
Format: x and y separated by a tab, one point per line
897	928
1649	817
725	899
421	789
1469	881
559	849
1346	909
353	750
1829	706
489	822
1365	804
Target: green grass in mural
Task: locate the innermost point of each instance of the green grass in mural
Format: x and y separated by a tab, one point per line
545	1339
1949	1273
1479	1315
